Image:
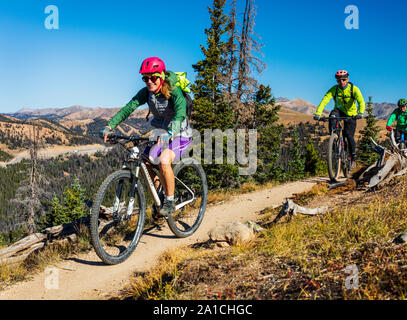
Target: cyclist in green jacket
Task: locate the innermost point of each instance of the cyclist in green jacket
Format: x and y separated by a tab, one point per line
169	107
399	114
345	95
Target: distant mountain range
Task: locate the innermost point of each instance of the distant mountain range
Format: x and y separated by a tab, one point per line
68	125
73	113
380	110
87	114
77	116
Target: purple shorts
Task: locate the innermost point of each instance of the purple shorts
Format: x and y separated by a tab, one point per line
179	145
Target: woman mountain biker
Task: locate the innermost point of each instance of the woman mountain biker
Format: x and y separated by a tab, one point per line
399	114
345	95
168	105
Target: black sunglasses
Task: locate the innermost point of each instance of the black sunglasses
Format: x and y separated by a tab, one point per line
152	78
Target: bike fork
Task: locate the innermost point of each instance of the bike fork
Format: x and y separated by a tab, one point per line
119	189
116	203
130	206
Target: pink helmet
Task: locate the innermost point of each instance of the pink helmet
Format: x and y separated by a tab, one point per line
152	65
341	74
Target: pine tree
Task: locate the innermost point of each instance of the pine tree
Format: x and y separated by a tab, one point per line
371	130
211	109
56	215
313	163
71	208
207	84
269	136
74	201
296	164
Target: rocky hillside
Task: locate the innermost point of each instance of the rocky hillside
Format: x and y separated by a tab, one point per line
298	105
383	110
15	133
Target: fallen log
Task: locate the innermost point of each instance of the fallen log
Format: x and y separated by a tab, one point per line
292	209
401	238
20	250
22	244
382	174
392	163
23	256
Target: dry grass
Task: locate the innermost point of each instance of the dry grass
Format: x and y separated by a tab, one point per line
159	282
300	258
37	262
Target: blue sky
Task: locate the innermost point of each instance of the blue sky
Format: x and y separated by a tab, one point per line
94	56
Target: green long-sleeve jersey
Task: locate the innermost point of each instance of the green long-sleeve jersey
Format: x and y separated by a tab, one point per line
344	101
170	112
401	118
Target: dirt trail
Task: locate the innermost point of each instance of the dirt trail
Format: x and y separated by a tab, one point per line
85	277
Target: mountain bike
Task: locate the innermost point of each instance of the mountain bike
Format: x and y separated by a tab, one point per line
401	143
338	151
118	211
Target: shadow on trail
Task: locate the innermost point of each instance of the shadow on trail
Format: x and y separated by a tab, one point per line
87	262
148	232
325	180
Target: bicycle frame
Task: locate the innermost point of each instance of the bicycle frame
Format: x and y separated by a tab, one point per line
338	129
135	156
338	153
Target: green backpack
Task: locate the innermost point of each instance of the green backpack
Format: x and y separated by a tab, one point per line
183	83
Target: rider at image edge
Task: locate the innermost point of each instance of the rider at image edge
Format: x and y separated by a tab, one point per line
168	105
345	95
400	115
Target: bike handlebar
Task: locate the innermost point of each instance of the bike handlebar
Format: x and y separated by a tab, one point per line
325	119
112	138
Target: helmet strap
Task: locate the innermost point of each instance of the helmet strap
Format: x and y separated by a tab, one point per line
159	87
162	77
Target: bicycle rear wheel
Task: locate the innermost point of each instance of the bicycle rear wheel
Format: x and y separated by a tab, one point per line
334	157
346	160
117	217
191	193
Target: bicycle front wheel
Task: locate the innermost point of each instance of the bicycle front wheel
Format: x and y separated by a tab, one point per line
334	157
117	217
191	193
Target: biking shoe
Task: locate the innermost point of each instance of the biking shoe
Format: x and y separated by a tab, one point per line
167	208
